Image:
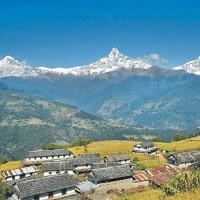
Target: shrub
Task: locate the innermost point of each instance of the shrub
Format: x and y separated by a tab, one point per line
3	160
5	190
52	146
182	182
80	142
178	137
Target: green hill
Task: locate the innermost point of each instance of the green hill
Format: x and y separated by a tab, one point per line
26	123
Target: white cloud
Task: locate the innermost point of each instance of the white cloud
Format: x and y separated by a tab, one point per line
154	56
155	59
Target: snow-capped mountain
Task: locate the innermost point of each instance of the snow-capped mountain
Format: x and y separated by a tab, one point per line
114	61
11	67
192	67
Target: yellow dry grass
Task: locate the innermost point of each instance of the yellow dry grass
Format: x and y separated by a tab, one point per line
119	146
152	194
183	145
10	165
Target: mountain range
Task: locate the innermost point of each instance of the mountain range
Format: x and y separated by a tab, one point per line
129	91
114	61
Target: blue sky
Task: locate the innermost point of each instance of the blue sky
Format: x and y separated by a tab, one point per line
56	33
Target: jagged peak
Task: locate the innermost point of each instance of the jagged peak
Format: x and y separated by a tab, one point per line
9	60
114	53
8	57
114	50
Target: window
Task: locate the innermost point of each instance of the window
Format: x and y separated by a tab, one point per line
50	195
64	191
50	172
36	197
22	176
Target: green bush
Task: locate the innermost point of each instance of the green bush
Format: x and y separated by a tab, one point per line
5	190
52	146
3	160
178	137
80	142
182	182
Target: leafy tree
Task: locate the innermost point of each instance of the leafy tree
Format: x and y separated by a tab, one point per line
182	182
3	160
80	142
158	139
5	190
52	146
178	137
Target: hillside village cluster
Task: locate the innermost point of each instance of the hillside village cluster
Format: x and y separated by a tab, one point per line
52	174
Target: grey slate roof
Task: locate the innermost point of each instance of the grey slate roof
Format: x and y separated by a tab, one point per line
69	164
104	165
43	153
85	186
184	157
85	160
110	173
90	155
117	157
53	166
147	144
44	185
13	182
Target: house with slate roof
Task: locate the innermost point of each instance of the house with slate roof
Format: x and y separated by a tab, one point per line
84	164
104	165
15	174
119	158
54	167
90	155
183	159
51	187
145	148
116	177
40	156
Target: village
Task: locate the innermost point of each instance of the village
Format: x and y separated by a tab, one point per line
59	174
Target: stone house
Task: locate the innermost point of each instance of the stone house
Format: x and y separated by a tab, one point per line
54	167
118	158
118	177
183	159
84	164
40	156
145	148
51	187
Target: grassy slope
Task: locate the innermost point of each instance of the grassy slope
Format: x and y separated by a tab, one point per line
183	145
10	165
117	146
152	194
